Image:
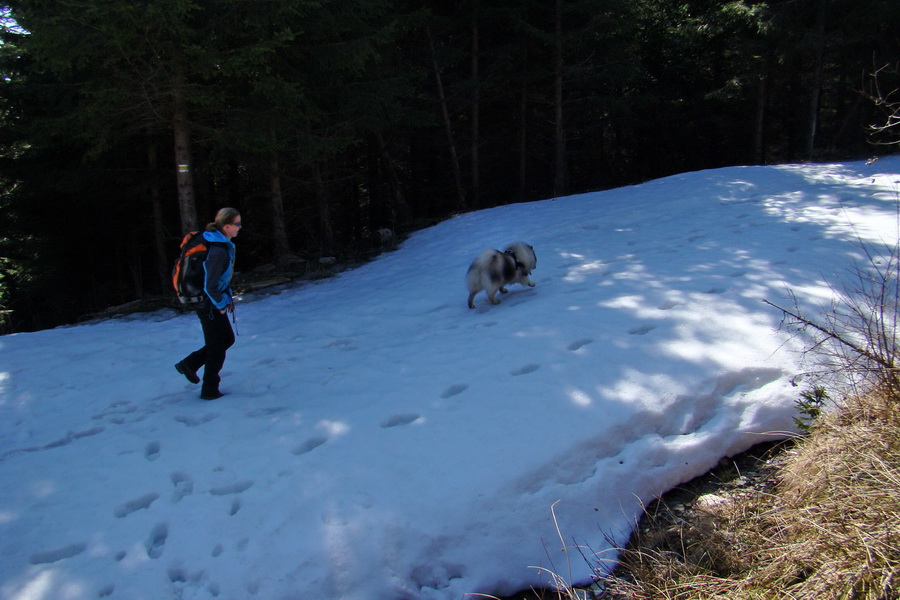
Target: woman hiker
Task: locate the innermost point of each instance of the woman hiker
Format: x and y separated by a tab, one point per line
217	302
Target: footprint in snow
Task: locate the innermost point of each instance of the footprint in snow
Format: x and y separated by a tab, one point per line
57	554
140	503
231	488
184	486
71	436
151	452
454	390
579	344
265	411
309	445
531	368
398	420
156	541
191	421
118	413
642	329
669	305
177	575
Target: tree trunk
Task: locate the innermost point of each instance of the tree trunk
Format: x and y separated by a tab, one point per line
378	208
279	231
561	179
476	107
159	237
184	177
454	161
817	79
523	144
850	117
399	211
759	138
325	226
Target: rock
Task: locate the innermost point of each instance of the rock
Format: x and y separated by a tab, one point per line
710	501
291	262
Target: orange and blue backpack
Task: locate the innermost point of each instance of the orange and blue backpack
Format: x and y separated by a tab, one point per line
188	273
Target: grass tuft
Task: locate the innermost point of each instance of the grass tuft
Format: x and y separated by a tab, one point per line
829	527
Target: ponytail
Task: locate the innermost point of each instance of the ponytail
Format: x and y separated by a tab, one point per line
225	216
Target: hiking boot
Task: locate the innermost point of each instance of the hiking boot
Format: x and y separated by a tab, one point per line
188	372
212	395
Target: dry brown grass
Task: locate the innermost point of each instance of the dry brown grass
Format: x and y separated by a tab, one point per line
828	527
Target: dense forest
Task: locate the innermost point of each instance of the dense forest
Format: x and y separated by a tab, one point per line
126	123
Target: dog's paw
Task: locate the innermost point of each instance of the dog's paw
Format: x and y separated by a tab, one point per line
531	284
503	290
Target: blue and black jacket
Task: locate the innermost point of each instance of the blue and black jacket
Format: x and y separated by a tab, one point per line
218	268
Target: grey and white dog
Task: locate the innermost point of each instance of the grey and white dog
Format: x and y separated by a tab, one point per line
493	270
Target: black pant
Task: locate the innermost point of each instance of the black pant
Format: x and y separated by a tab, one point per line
217	337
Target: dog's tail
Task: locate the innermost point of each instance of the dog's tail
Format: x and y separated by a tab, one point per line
478	275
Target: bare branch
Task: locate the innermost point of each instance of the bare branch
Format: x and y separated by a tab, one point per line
830	334
888	102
